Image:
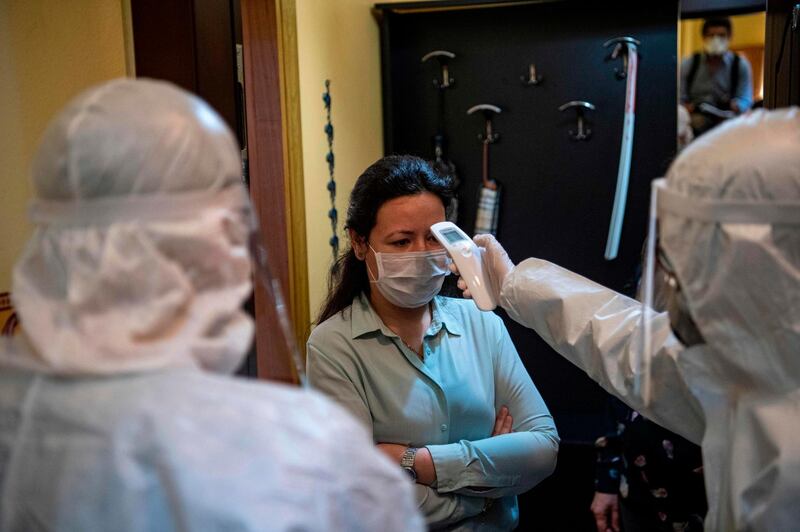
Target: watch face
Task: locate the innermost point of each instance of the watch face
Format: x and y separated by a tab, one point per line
411	473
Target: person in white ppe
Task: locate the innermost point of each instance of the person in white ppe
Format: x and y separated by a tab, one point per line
116	408
725	358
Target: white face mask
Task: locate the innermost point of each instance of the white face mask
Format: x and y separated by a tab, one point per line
716	45
410	280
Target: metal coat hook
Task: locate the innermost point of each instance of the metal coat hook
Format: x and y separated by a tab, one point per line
442	56
489	110
581	107
620	50
532	78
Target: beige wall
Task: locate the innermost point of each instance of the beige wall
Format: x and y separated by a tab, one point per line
49	51
336	40
748	30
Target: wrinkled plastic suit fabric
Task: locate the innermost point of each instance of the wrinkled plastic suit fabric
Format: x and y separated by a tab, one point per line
113	414
139	255
734	241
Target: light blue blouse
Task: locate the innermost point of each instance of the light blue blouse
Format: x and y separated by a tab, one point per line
447	403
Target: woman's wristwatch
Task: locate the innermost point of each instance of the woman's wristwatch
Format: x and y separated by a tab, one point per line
407	462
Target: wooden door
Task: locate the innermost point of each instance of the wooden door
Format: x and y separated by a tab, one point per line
782	54
193	43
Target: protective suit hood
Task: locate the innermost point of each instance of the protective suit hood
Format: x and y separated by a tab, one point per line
737	254
139	257
730	225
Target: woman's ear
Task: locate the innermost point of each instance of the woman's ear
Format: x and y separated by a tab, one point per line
359	244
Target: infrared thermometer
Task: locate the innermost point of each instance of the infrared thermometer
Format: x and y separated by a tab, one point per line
468	258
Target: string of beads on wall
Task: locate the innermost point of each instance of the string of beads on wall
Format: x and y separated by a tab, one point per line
332	213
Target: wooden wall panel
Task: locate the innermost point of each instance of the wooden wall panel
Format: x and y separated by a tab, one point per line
163	41
216	57
781	56
191	44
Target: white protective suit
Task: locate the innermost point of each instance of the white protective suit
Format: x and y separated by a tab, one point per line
114	410
730	225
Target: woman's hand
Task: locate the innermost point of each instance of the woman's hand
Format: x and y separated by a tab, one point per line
503	423
605	507
423	462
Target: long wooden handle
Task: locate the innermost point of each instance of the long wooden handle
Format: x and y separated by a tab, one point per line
485	163
487	182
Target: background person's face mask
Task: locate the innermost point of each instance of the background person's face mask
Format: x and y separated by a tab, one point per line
411	279
715	45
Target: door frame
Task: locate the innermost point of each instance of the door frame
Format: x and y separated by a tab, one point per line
275	156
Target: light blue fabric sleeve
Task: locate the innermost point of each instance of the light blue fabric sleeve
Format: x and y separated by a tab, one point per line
743	92
442	509
686	65
331	376
512	463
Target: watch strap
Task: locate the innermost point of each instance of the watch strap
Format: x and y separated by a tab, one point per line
407	460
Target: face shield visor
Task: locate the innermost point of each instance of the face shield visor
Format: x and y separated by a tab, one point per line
278	317
142	282
272	288
670	280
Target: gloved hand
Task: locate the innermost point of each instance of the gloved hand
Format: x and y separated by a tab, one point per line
496	264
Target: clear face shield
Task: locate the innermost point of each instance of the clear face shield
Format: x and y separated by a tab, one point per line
210	236
277	316
732	232
643	353
272	288
661	291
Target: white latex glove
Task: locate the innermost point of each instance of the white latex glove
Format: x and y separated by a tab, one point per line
495	262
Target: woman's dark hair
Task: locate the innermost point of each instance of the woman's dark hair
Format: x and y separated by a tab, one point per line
388	178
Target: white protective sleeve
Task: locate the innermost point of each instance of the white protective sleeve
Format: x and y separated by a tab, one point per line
598	329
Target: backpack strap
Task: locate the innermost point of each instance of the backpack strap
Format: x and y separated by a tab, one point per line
735	74
692	72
